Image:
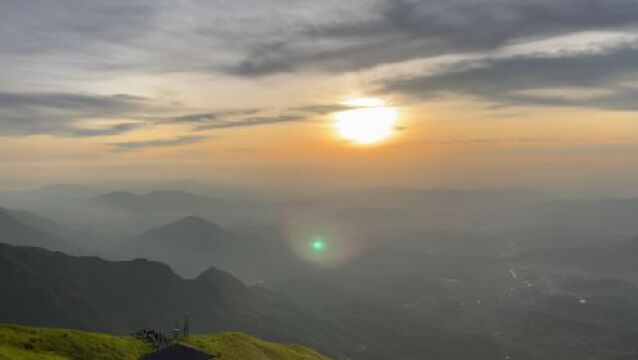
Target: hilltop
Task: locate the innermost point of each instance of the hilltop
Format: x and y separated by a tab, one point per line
29	343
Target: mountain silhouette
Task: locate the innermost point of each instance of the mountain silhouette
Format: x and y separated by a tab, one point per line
52	289
189	245
15	230
175	204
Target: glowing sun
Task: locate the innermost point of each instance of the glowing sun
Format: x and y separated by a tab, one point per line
369	121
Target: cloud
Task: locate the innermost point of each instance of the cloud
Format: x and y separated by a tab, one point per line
109	130
251	117
84	102
253	38
54	28
136	145
229	119
206	117
600	80
257	38
400	30
59	113
321	109
264	59
480	141
252	121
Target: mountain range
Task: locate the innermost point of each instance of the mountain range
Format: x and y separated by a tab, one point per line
44	288
16	229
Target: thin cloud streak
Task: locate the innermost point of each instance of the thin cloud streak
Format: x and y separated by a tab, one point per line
58	113
178	141
254	121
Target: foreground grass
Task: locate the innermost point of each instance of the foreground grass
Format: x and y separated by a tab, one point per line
12	353
28	343
238	346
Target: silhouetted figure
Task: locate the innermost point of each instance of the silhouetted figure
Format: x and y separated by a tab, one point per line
186	325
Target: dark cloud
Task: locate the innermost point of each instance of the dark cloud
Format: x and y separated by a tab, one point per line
58	113
398	30
264	59
136	145
253	38
275	36
513	80
53	28
498	20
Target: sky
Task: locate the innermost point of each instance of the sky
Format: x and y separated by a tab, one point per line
488	93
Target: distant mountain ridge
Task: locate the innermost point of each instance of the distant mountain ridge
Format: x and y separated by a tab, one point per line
192	224
177	203
155	199
65	189
36	221
16	229
190	245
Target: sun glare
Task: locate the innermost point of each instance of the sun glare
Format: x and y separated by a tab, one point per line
371	121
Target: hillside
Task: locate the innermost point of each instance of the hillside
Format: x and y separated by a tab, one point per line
189	245
171	203
44	288
238	346
88	293
17	230
27	343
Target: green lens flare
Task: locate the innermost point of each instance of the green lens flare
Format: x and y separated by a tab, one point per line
318	245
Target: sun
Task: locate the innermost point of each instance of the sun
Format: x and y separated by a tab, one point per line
368	122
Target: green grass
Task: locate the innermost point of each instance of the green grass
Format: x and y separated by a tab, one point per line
238	346
12	353
28	343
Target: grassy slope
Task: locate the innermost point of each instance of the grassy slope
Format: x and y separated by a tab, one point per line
13	353
238	346
27	343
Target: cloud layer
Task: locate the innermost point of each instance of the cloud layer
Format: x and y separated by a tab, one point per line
54	57
59	113
603	80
